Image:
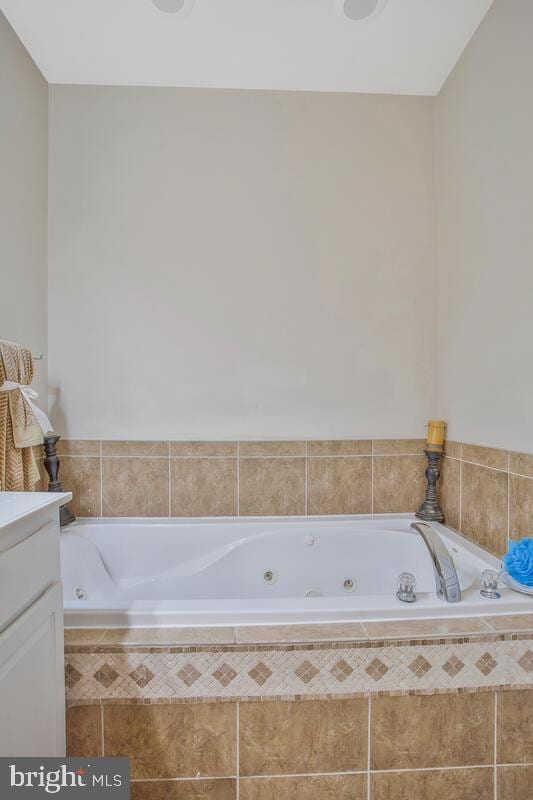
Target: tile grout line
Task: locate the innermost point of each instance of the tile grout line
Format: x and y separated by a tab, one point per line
368	746
410	454
306	472
372	480
508	509
102	730
169	483
278	776
519	475
495	748
238	479
274	455
101	481
485	466
431	769
135	456
238	752
461	496
186	779
508	498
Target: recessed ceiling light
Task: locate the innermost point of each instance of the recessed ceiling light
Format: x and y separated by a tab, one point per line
360	10
180	7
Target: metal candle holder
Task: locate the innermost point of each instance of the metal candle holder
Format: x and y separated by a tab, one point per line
51	465
430	509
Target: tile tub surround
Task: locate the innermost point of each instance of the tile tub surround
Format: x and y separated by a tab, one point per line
382	748
284	478
325	712
183	664
487	494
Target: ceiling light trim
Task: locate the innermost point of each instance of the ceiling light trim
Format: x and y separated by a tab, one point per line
371	17
166	8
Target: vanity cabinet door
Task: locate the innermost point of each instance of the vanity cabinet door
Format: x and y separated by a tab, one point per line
32	693
27	570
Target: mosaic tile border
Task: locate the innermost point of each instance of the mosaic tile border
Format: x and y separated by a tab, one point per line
269	673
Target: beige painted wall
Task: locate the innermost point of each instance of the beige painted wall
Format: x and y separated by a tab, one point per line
240	264
484	157
23	200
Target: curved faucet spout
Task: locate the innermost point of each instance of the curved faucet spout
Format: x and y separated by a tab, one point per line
446	580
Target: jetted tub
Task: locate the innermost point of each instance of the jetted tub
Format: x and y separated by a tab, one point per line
235	571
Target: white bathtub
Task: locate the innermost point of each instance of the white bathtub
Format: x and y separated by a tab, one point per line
235	571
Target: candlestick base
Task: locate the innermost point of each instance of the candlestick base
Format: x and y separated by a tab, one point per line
430	510
51	464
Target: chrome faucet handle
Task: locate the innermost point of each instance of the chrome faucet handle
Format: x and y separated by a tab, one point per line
406	587
489	582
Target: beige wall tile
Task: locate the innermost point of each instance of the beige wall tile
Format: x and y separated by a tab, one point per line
453	449
174	741
521	507
224	789
316	787
395	447
332	632
484	507
271	449
515	783
203	487
135	448
522	464
423	628
135	487
486	456
414	732
81	476
78	447
279	738
515	727
170	636
84	731
340	447
206	449
450	491
455	784
272	486
398	483
339	485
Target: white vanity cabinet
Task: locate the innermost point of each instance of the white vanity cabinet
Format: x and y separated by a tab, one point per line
32	690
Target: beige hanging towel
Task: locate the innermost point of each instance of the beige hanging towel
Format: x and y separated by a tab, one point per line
20	430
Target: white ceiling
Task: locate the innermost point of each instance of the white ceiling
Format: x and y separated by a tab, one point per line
251	44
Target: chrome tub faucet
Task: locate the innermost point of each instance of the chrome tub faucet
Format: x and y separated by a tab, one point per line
446	580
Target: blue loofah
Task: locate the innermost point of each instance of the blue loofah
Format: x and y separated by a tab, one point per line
519	561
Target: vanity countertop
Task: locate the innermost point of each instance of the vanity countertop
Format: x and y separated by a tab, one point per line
14	505
20	512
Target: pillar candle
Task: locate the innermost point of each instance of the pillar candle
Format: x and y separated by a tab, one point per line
436	433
